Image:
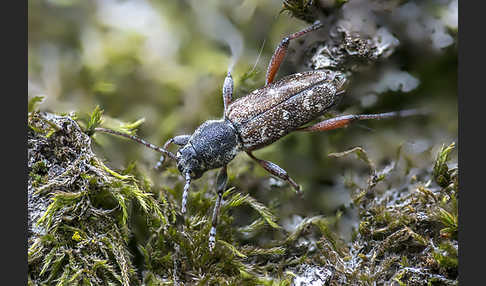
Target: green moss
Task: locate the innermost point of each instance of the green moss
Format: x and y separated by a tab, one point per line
39	167
400	227
442	174
86	224
95	120
446	256
34	102
302	9
398	231
308	10
38	173
83	231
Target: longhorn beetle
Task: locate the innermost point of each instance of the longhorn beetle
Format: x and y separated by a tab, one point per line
257	120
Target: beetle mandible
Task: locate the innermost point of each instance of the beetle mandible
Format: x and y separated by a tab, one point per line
257	120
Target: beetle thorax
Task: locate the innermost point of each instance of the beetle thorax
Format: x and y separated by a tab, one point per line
213	145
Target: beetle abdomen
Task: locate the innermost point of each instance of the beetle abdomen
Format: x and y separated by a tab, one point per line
270	113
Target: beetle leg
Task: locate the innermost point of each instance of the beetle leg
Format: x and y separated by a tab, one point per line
345	120
275	170
227	92
220	186
281	50
180	140
185	193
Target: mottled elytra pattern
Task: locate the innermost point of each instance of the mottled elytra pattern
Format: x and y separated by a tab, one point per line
269	113
262	99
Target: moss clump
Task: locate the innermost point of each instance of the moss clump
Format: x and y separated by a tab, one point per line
407	231
38	173
83	217
309	10
442	174
78	209
90	225
178	251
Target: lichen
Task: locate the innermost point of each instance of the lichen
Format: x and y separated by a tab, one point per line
405	233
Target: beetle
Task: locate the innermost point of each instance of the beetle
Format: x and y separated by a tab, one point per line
258	120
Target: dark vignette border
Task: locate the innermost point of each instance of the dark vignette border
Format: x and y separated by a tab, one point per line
471	107
13	25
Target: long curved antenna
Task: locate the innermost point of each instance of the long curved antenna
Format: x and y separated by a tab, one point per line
185	193
258	57
138	140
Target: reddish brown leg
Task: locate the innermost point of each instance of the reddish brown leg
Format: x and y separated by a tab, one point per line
275	170
345	120
281	50
227	92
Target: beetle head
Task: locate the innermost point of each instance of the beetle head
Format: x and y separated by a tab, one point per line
189	163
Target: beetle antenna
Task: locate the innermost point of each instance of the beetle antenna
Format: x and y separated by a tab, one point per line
185	193
258	58
138	140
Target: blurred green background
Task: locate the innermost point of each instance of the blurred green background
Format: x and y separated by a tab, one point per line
165	61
